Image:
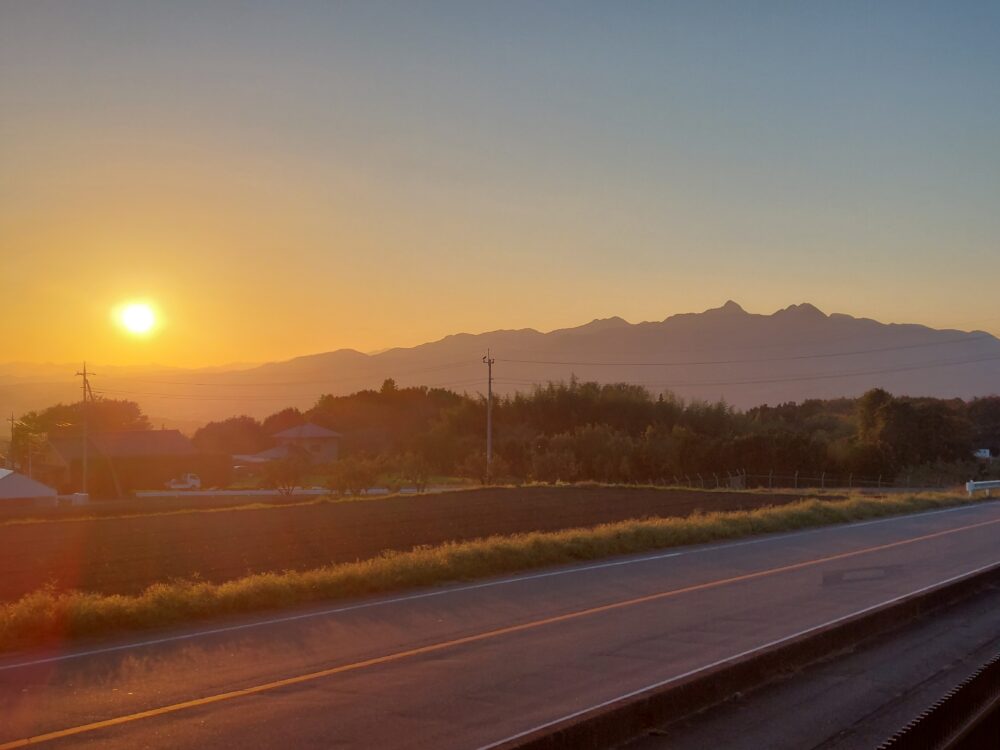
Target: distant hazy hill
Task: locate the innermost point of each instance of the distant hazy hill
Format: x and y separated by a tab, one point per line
796	353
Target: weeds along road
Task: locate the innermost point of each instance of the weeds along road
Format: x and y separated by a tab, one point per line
124	555
469	666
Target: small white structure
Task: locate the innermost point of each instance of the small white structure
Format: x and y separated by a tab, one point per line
982	453
14	486
973	487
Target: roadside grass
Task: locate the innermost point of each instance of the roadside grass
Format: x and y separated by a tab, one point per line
47	616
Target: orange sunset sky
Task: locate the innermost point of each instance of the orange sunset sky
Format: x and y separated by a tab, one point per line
276	182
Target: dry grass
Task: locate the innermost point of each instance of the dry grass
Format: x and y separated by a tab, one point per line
47	616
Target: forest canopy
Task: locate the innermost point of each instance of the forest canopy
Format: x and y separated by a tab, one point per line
573	431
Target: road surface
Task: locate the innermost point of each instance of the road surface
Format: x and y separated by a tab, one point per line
855	700
473	665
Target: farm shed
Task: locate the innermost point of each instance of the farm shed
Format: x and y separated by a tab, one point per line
17	488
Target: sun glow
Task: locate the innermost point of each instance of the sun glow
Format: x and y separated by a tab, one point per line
137	318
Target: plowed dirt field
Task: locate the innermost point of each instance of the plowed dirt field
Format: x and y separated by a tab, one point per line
124	555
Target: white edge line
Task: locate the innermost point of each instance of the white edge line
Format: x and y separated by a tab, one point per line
468	587
720	662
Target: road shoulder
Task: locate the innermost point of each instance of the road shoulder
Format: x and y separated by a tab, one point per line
854	699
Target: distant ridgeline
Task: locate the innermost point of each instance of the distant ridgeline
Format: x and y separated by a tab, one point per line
725	353
608	401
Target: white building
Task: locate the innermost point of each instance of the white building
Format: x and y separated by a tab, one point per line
14	486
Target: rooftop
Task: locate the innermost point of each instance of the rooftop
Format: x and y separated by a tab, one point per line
127	443
307	430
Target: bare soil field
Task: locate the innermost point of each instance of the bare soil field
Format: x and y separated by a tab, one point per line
15	511
124	555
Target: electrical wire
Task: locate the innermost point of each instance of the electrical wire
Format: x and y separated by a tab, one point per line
241	398
325	381
789	379
879	350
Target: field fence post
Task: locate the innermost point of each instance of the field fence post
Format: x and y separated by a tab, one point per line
716	476
878	482
822	480
796	479
770	479
850	480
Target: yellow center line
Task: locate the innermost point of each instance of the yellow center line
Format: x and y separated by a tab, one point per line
483	636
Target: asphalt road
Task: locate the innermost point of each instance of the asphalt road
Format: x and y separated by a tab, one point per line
470	666
855	700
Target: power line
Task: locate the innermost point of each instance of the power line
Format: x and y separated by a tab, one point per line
87	392
964	340
285	397
325	381
790	379
386	372
489	361
655	383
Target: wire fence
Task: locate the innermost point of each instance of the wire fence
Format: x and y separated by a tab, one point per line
742	480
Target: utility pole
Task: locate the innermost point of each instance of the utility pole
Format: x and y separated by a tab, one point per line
10	451
488	361
86	393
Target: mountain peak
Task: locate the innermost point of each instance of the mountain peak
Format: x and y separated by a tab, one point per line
730	308
596	325
803	310
612	322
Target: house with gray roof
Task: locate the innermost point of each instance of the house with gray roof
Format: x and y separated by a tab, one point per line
317	445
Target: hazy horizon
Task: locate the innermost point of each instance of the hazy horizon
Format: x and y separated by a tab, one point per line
233	366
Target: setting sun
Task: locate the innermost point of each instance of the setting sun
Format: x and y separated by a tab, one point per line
137	318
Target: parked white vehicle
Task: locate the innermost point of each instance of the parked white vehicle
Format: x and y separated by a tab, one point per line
185	482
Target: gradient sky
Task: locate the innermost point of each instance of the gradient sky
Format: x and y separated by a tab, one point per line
287	178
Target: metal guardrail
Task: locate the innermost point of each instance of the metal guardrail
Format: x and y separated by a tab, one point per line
973	487
952	722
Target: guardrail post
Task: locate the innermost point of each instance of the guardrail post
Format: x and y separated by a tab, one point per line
972	487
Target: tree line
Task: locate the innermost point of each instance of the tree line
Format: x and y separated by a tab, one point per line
586	431
576	431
